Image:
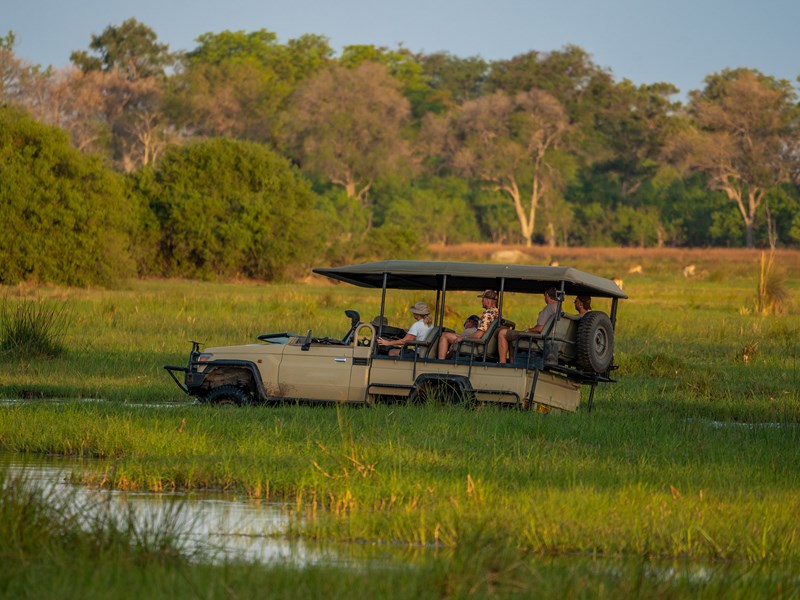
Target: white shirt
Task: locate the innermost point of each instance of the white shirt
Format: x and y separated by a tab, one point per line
420	330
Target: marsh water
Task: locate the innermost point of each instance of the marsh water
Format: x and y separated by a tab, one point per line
216	527
212	524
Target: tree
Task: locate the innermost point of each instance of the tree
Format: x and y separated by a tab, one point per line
10	69
743	128
454	80
237	83
19	80
569	74
442	203
131	48
635	123
403	66
76	102
120	94
105	112
508	144
346	126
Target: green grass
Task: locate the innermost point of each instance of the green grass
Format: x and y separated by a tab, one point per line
665	484
55	547
693	455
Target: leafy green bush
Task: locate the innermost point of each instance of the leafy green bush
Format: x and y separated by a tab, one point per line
396	241
65	217
228	208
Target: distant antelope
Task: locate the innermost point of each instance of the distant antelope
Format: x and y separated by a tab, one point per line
618	281
688	271
636	269
553	263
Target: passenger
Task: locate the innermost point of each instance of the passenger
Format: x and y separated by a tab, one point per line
583	304
470	327
419	331
505	336
490	313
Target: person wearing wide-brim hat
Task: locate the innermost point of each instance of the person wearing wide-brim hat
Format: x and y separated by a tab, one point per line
490	313
418	332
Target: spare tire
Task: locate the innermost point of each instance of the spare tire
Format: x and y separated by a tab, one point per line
595	342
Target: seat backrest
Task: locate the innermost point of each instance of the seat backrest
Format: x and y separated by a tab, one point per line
535	341
491	343
427	348
566	334
431	342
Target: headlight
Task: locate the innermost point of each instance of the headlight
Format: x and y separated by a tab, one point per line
205	357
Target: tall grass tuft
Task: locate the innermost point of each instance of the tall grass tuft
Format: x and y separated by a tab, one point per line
31	329
772	297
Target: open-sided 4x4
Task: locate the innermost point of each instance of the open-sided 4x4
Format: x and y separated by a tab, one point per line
548	369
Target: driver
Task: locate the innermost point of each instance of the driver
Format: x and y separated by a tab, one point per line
381	325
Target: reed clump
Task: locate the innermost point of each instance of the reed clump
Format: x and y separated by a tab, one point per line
32	328
772	295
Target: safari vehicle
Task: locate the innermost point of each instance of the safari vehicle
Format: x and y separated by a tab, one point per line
548	369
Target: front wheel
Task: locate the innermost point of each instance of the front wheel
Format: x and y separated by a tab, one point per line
228	395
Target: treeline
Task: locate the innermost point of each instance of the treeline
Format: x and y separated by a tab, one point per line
246	156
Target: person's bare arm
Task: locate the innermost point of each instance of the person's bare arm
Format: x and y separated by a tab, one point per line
407	338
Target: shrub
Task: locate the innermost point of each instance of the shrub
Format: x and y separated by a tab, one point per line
228	208
65	217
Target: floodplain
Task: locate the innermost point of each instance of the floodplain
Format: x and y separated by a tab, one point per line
682	481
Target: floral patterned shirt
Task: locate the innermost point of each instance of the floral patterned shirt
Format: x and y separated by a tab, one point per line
487	318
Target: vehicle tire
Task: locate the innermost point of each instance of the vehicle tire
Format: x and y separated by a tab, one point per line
438	392
595	342
228	394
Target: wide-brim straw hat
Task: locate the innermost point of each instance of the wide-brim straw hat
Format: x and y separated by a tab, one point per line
420	308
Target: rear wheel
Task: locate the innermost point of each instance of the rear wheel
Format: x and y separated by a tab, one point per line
228	394
595	341
439	392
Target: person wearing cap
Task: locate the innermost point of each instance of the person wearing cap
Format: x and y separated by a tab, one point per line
505	336
583	304
418	332
490	313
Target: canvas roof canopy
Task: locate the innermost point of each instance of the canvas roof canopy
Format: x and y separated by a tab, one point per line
467	276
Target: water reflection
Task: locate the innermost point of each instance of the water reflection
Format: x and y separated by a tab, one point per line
216	524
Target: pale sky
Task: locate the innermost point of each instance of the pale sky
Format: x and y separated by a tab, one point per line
646	41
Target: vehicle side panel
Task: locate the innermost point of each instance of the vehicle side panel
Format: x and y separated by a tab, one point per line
492	383
320	373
